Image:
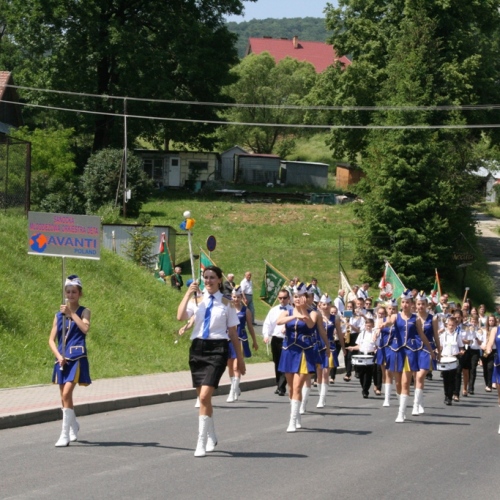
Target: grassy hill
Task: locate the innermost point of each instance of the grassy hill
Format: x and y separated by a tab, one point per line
133	316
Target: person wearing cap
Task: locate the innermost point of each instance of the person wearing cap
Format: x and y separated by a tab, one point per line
69	329
404	358
298	360
331	323
275	334
425	362
215	323
245	319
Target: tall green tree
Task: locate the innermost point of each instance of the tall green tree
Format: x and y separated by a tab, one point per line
417	188
259	80
175	50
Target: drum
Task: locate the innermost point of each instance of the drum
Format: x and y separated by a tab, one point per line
447	363
362	359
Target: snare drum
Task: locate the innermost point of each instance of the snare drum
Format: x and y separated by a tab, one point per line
447	363
362	359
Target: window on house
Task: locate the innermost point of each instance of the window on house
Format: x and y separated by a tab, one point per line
153	168
198	166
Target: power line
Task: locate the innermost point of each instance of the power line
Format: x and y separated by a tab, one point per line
477	107
249	124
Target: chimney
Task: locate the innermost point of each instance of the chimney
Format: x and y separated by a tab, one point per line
295	42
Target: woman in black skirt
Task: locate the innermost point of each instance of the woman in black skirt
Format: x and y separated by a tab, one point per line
215	321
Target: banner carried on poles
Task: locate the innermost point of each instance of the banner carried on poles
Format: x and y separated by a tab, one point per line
391	287
271	285
164	262
344	282
205	261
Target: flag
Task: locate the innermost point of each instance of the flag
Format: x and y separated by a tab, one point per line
205	261
436	291
271	285
392	286
164	262
344	283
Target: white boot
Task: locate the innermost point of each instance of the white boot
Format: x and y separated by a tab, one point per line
237	390
74	427
203	422
294	412
402	408
64	437
421	403
387	394
231	398
197	404
322	396
499	430
305	397
211	437
416	402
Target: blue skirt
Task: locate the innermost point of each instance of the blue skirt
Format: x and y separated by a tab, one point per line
291	359
395	360
381	358
76	371
425	361
245	349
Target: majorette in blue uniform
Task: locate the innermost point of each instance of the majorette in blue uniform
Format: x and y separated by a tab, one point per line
333	361
241	330
299	354
496	362
424	356
383	350
76	369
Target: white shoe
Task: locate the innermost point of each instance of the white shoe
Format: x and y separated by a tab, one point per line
400	418
237	390
231	398
402	408
321	402
305	397
387	394
298	422
74	427
294	413
498	430
202	436
415	410
197	404
416	402
64	437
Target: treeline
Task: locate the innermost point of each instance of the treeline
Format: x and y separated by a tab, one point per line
312	29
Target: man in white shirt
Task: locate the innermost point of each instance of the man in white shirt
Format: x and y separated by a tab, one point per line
275	334
339	302
316	290
247	289
363	291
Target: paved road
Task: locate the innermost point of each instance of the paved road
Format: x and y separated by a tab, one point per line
351	449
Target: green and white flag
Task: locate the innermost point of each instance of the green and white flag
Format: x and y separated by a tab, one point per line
390	284
205	261
271	285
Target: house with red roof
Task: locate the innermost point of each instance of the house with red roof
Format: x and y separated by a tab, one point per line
10	114
319	54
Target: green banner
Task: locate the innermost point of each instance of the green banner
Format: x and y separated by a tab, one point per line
393	283
271	285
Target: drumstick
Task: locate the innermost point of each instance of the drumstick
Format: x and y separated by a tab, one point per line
64	334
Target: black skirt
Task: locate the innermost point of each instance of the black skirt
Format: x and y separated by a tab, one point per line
208	361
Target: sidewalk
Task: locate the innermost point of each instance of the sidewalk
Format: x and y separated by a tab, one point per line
41	403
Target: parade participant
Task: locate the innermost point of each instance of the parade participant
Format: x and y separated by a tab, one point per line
275	334
463	364
403	359
474	350
338	335
69	329
365	343
356	324
425	362
353	294
298	359
487	360
339	302
483	319
215	322
362	292
383	336
451	345
314	288
245	319
176	279
494	341
247	289
331	322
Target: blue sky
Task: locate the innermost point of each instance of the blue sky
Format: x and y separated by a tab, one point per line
278	9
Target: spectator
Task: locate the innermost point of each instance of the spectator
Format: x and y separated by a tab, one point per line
161	277
228	286
176	279
247	289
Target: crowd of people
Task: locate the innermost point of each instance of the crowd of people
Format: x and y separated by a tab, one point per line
392	344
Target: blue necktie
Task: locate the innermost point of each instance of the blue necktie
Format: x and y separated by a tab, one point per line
206	321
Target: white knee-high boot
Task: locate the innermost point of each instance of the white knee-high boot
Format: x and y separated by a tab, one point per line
387	394
322	396
294	413
197	404
416	401
74	427
237	390
305	397
421	409
231	398
64	437
403	398
203	422
211	436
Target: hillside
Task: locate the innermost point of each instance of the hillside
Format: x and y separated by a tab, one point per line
308	28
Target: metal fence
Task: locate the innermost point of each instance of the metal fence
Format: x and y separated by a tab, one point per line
15	173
